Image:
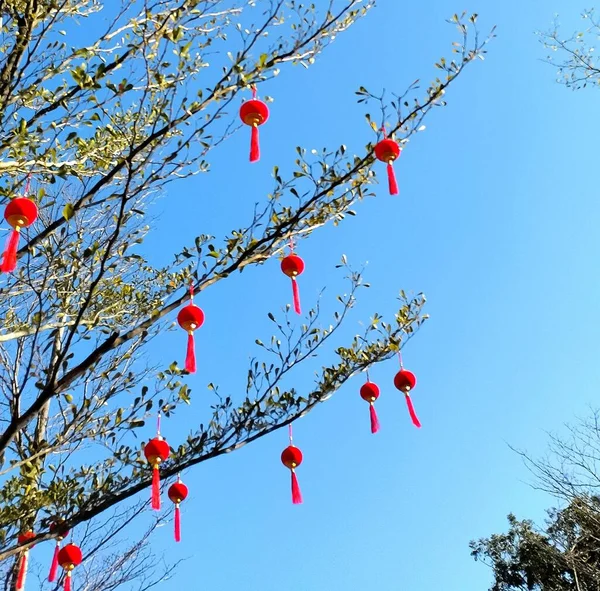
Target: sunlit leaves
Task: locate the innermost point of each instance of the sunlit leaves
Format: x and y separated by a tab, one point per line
105	128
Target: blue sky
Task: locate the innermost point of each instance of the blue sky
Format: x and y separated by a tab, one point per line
497	224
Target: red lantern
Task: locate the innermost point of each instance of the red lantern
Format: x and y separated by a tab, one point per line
190	318
369	392
291	458
22	572
387	150
156	451
405	381
178	492
254	113
19	213
292	266
58	528
69	557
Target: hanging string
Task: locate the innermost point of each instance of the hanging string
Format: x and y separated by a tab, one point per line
368	378
191	290
291	245
383	131
400	359
290	433
27	185
158	423
254	91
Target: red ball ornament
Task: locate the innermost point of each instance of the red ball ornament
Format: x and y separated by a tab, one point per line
405	381
59	528
178	492
254	113
369	392
69	557
387	150
19	213
291	458
23	538
156	451
190	318
292	266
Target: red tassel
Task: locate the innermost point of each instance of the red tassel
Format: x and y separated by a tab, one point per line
54	567
9	260
374	419
190	358
411	411
22	571
156	489
296	291
296	494
67	586
392	179
254	146
177	524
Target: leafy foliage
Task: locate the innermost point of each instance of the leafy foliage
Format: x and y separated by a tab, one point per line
574	56
564	554
104	127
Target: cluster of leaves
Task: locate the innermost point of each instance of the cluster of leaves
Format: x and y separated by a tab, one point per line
564	553
562	556
575	56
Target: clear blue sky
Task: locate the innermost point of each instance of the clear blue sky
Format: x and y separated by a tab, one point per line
497	223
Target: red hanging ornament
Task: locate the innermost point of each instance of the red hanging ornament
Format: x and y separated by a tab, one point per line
254	113
156	451
369	392
20	213
57	527
405	381
388	150
190	318
24	559
178	492
69	557
292	266
291	458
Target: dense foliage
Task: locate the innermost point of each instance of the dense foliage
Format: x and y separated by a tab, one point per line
563	554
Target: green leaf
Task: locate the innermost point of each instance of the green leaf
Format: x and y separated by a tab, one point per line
136	424
184	394
68	211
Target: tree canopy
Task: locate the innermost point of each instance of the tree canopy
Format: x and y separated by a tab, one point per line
103	124
563	554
